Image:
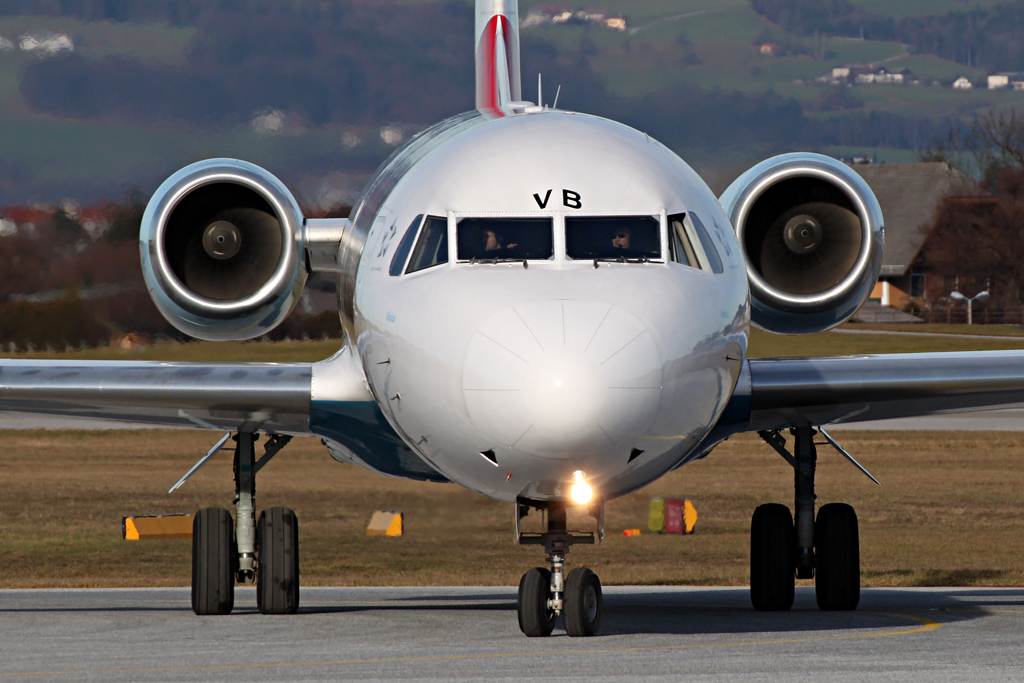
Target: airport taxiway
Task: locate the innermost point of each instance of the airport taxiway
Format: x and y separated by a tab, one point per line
431	634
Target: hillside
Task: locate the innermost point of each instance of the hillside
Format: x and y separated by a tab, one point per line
320	92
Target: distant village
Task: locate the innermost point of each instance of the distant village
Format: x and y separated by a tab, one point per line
540	15
23	220
47	43
42	42
868	74
864	75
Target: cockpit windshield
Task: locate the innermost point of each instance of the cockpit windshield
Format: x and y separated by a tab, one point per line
612	237
505	239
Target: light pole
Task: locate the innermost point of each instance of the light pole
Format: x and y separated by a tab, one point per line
980	297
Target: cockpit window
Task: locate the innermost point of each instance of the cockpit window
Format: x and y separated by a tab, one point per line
679	245
612	237
714	259
432	246
505	239
690	244
402	253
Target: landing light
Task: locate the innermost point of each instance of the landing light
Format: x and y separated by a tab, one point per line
581	491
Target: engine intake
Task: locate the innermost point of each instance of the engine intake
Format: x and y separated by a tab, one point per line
811	232
223	250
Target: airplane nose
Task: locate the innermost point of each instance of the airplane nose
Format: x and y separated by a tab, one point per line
560	379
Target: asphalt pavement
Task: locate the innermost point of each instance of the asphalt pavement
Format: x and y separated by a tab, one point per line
433	634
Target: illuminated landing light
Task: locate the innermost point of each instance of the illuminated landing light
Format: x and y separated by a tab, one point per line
581	492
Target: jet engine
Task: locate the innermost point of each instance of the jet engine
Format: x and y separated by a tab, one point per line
223	250
812	235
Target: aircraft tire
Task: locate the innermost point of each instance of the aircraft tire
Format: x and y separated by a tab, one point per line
277	561
583	603
213	562
535	619
772	558
837	542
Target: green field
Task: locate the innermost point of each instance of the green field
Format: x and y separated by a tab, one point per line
725	40
653	54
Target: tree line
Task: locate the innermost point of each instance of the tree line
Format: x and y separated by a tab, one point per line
61	287
977	232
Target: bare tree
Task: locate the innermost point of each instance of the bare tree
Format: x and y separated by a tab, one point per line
978	235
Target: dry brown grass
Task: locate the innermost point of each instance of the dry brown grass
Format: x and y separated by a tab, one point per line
762	344
947	513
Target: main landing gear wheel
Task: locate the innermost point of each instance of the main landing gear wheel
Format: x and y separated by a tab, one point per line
583	603
837	542
772	558
277	564
213	562
536	619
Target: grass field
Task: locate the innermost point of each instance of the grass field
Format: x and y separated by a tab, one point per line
945	514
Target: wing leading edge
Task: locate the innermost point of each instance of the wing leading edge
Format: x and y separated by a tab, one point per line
265	397
779	393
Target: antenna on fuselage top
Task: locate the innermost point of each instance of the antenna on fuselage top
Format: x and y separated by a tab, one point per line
557	93
540	91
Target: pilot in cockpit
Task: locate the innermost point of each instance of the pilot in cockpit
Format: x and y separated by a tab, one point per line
495	243
620	239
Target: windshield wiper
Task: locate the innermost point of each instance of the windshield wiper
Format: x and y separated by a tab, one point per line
621	259
475	260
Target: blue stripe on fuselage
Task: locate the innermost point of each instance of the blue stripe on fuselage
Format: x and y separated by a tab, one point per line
360	427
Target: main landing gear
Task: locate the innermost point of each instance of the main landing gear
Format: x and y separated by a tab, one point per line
544	594
247	550
783	549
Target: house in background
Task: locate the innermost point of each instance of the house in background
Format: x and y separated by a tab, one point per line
46	42
15	220
553	13
882	75
1002	81
909	195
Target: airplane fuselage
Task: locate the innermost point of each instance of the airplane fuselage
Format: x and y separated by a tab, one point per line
509	373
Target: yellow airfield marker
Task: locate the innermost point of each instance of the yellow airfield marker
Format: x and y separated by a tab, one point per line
156	527
385	523
689	517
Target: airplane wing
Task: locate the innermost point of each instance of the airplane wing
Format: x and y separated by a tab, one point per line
790	392
269	397
252	397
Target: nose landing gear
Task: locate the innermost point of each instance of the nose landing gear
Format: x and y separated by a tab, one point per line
545	594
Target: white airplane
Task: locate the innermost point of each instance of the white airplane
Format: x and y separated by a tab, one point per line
546	307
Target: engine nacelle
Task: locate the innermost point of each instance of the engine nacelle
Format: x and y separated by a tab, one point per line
223	250
812	235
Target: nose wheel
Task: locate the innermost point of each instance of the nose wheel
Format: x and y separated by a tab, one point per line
536	618
582	603
545	594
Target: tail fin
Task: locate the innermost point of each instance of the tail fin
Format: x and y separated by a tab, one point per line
497	55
